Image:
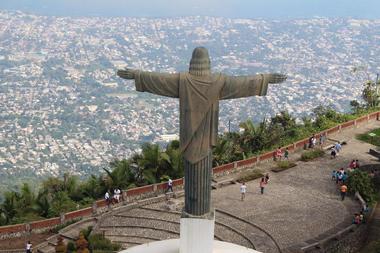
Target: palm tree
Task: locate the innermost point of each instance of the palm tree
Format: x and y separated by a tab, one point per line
175	161
27	198
9	206
42	204
121	175
228	149
152	162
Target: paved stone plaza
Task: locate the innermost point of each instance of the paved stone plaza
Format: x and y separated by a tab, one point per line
302	202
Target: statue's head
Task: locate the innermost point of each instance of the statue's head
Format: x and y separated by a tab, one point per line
200	62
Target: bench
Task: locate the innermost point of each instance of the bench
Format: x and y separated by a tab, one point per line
374	153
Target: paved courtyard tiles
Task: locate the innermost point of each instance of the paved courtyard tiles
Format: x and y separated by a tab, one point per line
302	202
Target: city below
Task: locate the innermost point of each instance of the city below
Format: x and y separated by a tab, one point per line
63	108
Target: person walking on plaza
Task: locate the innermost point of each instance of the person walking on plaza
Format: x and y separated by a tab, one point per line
28	247
107	198
262	185
170	185
243	190
286	154
116	195
278	154
338	147
322	139
343	191
267	178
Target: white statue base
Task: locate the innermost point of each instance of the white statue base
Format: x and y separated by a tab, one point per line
173	246
197	235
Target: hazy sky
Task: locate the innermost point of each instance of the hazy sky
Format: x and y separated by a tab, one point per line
225	8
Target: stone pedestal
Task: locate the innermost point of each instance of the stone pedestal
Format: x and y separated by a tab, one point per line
173	246
198	178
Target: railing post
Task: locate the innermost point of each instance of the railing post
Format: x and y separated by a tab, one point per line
94	208
155	190
62	218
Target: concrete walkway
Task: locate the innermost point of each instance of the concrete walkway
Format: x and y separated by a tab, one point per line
302	202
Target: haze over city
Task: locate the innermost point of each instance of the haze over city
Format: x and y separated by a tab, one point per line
271	9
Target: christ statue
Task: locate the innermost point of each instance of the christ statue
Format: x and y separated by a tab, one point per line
199	92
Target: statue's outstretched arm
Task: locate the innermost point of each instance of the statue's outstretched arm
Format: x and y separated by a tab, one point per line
246	86
127	73
163	84
275	78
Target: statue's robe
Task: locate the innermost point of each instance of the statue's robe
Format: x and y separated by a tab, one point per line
199	103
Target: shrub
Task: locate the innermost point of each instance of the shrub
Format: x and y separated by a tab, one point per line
99	242
372	137
250	175
312	154
360	181
284	165
70	247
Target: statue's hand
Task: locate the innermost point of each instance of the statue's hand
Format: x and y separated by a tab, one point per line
276	78
126	73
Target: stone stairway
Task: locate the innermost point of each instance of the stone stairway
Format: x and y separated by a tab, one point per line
69	233
153	222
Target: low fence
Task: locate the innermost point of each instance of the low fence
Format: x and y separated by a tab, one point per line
156	189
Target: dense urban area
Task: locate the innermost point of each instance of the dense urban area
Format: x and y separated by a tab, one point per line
63	109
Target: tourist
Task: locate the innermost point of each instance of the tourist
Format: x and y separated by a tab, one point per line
116	195
278	154
333	175
29	247
352	164
314	141
356	219
361	217
343	191
267	178
322	139
337	177
341	176
243	190
286	154
311	141
170	185
344	177
357	164
107	198
262	185
333	153
338	147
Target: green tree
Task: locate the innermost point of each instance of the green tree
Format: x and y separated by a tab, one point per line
152	161
9	206
360	181
26	199
121	175
61	203
175	161
370	93
42	204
